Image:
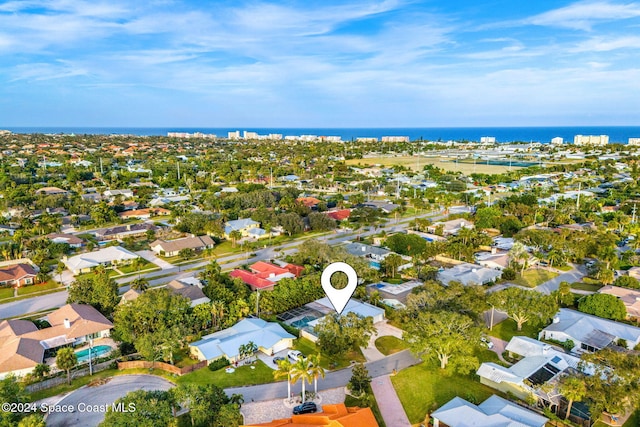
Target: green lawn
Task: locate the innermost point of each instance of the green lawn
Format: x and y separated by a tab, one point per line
633	421
425	387
6	292
564	268
591	287
507	329
350	401
128	268
307	348
50	284
388	345
243	375
534	277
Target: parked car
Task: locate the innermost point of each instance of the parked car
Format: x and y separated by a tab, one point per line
305	408
295	355
277	359
487	342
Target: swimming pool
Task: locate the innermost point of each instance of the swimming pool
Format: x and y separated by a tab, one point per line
97	351
301	323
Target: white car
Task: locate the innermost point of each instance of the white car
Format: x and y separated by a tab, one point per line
295	355
487	342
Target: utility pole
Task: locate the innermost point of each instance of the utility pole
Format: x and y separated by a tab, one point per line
178	162
633	216
101	167
578	198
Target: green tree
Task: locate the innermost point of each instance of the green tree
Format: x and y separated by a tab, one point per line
563	295
603	305
627	281
449	337
41	370
406	244
573	389
285	370
235	235
204	402
391	264
140	284
291	223
339	334
186	253
360	381
32	420
228	416
301	371
11	391
143	409
66	360
315	370
524	306
518	253
99	290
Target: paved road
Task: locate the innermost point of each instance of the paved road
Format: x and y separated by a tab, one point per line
58	299
105	394
575	275
334	379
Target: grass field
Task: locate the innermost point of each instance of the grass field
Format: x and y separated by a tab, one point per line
243	375
307	348
534	277
388	345
425	387
507	329
444	163
591	287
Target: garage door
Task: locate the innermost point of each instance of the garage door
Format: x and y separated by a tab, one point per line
281	345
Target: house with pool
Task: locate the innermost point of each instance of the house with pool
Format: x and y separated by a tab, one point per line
23	345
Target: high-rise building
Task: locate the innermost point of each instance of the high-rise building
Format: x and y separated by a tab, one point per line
591	140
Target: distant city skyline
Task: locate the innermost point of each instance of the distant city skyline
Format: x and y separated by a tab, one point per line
389	63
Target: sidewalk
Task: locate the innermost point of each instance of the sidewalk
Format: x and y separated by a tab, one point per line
389	403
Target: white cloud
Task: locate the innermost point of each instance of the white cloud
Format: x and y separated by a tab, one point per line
583	15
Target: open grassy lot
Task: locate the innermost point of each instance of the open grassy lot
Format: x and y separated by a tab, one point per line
534	277
243	375
507	329
441	162
591	287
425	387
388	345
307	348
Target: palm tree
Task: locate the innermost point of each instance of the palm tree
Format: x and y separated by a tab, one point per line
285	370
140	284
573	389
316	370
235	235
375	298
519	253
301	371
236	399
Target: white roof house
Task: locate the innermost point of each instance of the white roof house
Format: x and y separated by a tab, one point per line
243	225
107	256
270	338
589	333
540	364
469	274
493	412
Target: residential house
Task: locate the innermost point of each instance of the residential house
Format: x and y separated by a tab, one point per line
375	254
112	194
385	207
469	274
145	213
52	191
70	239
188	290
110	256
493	412
451	227
590	333
323	307
630	298
428	236
244	226
270	338
173	247
23	345
123	231
310	202
264	275
339	215
539	363
337	415
494	259
17	275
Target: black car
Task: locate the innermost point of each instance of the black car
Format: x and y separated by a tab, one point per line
305	408
277	359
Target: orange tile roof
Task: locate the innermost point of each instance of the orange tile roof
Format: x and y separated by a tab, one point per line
332	416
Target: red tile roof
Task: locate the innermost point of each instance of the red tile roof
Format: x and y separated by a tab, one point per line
251	279
339	215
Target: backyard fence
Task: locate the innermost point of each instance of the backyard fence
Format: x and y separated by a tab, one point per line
55	381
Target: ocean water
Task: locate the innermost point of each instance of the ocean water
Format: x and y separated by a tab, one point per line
618	134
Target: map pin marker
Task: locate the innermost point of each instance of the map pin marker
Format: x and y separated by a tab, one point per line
339	297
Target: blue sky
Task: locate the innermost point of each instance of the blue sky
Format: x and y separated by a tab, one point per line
313	63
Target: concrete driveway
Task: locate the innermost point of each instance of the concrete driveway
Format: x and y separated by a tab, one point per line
104	394
371	352
576	274
151	257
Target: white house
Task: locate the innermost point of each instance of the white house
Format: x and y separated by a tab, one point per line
590	333
451	227
493	412
469	274
244	226
270	338
112	255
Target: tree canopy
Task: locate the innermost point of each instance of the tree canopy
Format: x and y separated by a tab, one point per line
524	306
603	305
